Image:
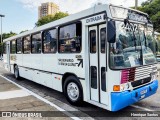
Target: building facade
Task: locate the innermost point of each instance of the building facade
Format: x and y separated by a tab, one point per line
48	8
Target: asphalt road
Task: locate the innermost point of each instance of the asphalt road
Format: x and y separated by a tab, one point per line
151	104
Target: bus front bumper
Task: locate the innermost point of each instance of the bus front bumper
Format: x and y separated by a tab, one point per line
123	99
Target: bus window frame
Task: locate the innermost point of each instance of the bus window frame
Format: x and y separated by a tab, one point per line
52	28
11	46
64	25
21	45
31	35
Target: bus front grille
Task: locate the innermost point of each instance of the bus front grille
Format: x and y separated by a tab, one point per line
143	75
141	82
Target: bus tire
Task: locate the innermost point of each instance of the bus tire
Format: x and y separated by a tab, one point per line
16	72
72	89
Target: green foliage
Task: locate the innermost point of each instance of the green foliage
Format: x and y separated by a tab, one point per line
152	8
146	3
50	18
7	35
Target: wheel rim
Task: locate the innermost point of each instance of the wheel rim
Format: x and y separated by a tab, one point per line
73	91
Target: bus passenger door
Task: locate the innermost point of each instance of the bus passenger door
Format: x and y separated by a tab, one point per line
97	67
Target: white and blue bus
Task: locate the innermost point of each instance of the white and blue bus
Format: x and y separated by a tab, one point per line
104	55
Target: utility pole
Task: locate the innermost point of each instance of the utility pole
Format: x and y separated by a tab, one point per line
1	25
136	4
1	31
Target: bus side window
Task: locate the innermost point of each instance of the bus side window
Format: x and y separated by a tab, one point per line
19	46
93	41
26	45
70	38
36	43
50	41
13	47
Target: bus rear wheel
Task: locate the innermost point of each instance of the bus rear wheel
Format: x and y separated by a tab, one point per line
16	72
73	90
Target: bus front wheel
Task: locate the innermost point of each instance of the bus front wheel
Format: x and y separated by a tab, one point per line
16	72
73	90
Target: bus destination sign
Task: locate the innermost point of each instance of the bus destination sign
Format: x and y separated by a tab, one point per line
137	17
124	13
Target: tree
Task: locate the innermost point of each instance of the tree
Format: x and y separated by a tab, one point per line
50	18
151	7
5	36
146	2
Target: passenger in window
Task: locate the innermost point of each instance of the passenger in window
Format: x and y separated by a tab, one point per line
73	45
67	35
62	48
46	48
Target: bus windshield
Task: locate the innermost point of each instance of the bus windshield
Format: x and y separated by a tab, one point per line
134	46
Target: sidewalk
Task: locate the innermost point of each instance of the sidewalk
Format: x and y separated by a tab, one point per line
13	98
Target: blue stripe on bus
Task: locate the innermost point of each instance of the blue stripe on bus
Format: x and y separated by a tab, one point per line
123	99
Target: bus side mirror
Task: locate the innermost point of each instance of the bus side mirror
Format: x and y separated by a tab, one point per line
111	32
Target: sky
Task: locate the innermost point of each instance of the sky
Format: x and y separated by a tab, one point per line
22	15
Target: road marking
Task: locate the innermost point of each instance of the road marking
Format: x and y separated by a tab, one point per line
13	94
143	108
44	100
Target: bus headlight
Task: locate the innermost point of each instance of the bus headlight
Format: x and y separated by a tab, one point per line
154	75
127	86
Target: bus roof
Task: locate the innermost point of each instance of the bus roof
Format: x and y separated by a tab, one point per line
70	18
73	17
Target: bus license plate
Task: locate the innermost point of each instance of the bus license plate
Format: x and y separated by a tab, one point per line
143	92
